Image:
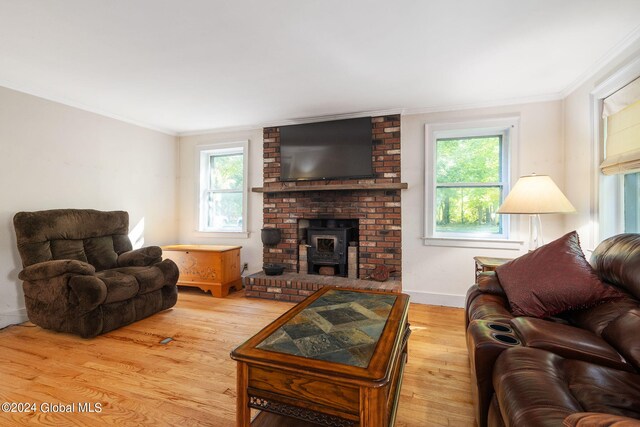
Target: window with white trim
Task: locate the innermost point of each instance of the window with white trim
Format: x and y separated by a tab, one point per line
618	100
222	195
467	174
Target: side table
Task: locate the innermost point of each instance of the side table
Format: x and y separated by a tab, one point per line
484	263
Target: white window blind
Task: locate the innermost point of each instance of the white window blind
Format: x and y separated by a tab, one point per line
621	111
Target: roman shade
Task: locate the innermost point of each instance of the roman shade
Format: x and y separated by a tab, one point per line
622	146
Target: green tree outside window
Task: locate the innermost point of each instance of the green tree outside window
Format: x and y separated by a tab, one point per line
469	184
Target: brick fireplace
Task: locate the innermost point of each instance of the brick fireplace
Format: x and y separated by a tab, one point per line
374	207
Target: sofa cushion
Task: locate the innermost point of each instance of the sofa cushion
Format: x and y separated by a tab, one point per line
531	388
601	389
68	249
120	286
100	252
621	333
35	230
537	387
596	318
552	279
149	278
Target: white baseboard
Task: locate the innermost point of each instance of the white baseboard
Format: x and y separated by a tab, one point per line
13	317
431	298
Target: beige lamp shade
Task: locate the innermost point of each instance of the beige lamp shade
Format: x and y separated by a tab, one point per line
535	194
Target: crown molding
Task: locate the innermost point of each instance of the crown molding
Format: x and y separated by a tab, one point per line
487	104
228	129
622	77
80	106
601	63
294	121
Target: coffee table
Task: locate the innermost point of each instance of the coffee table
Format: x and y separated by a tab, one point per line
335	359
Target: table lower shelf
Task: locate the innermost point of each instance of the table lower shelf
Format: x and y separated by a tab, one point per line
267	419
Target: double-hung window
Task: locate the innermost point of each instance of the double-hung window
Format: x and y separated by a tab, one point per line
467	177
222	194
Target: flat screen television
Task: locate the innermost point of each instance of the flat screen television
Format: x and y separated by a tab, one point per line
339	149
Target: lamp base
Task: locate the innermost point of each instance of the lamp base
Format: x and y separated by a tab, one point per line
535	232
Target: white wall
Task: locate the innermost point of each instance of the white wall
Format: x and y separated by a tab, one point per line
251	251
554	139
582	156
53	156
442	275
433	275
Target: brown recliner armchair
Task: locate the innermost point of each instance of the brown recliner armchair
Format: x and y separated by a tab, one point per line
82	276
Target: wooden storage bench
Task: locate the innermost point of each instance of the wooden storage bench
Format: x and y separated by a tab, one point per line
212	268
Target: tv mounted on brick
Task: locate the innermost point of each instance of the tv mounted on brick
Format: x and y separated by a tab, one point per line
369	202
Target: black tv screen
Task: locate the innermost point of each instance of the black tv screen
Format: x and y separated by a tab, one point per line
337	149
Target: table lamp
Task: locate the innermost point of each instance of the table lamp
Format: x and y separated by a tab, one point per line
534	195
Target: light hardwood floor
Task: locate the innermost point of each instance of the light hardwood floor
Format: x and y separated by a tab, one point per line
191	381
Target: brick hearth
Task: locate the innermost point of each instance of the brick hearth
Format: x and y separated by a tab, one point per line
296	287
378	211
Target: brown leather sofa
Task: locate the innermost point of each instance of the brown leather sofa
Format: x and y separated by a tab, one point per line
579	367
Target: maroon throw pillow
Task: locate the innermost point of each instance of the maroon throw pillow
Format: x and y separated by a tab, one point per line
554	278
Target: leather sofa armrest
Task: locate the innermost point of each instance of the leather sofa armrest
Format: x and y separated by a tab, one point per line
484	349
488	283
568	341
486	290
598	419
50	269
140	257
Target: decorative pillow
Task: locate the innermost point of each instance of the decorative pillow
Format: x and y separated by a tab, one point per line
554	278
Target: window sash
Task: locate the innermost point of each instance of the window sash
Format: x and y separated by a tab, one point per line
210	159
205	158
507	129
501	185
470	184
211	219
481	226
479	135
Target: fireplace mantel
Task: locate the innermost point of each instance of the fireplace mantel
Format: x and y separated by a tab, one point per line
332	187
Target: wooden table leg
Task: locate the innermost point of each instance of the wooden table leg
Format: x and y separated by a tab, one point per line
243	412
373	409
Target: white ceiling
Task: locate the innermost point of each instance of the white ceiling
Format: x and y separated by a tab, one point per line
193	65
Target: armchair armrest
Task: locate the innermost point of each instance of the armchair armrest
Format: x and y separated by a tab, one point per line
64	283
49	269
87	292
140	257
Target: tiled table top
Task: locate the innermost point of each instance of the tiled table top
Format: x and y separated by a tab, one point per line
341	326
